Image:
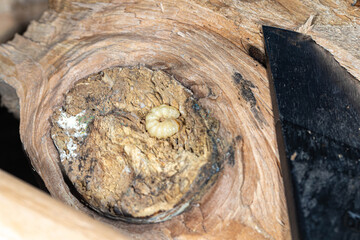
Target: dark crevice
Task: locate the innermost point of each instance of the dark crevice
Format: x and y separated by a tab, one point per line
257	55
13	158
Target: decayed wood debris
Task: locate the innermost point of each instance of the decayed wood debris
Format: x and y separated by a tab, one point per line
109	156
213	48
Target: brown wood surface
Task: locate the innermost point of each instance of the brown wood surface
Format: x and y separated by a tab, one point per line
15	16
215	49
27	213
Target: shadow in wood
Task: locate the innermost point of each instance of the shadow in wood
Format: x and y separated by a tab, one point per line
13	158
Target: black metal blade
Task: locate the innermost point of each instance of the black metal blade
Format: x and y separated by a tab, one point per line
317	110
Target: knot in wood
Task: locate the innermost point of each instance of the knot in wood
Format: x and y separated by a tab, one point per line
121	146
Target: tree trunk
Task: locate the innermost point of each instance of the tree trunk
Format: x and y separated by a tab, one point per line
215	50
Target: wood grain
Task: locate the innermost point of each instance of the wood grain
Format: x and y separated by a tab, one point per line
27	213
215	49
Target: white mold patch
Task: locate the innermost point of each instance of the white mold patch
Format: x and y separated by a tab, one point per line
75	128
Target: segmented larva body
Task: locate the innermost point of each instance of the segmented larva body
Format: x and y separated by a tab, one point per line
161	121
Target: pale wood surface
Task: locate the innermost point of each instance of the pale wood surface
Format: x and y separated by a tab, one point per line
27	213
203	44
15	15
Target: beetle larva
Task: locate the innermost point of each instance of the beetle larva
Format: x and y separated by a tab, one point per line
122	148
161	122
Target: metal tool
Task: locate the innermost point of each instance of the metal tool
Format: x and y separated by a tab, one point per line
317	113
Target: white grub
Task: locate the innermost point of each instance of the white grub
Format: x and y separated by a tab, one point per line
161	121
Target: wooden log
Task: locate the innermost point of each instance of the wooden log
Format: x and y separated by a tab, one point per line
28	213
15	16
213	48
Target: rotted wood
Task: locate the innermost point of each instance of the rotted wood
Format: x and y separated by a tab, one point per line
214	49
136	145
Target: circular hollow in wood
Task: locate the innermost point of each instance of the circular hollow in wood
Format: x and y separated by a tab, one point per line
213	49
118	166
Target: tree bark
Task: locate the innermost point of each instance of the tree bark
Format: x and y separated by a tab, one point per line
213	48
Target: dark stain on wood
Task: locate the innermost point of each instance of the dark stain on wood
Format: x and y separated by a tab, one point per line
245	90
245	87
230	155
257	55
